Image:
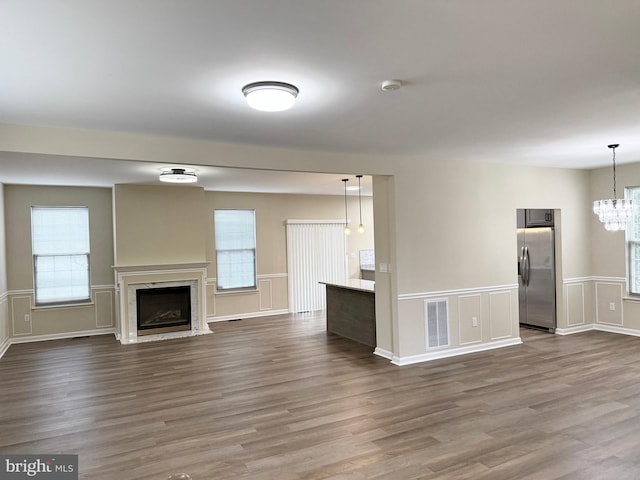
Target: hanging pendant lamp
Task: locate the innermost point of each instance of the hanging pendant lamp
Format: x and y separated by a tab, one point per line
614	212
361	226
347	230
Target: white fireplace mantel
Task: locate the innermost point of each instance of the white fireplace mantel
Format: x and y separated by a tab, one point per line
130	278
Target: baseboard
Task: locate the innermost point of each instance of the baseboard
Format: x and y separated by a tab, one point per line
4	346
601	327
381	352
615	329
454	352
60	336
574	329
239	316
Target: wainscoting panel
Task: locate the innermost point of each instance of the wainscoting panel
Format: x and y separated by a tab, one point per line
500	315
104	309
575	304
270	298
266	294
609	303
21	320
469	319
492	308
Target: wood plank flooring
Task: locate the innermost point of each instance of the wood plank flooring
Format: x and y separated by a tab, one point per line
279	398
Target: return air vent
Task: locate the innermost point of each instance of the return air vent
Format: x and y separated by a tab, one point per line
436	323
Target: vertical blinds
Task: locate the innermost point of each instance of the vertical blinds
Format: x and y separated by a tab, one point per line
315	252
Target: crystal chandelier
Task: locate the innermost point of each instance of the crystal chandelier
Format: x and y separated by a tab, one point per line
614	212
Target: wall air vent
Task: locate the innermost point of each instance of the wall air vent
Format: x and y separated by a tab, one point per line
436	316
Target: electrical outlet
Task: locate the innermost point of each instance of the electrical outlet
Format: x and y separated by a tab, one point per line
612	306
27	317
474	321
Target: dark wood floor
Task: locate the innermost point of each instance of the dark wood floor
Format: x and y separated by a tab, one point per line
279	399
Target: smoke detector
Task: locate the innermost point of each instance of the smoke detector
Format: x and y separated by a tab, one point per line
391	85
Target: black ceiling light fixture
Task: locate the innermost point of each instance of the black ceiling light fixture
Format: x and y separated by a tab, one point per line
347	230
178	175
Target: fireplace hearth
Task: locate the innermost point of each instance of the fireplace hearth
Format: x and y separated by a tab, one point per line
161	310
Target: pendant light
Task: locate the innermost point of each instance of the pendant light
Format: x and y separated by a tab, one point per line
347	230
614	212
361	226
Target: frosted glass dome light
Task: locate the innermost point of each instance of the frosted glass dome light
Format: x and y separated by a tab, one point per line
270	96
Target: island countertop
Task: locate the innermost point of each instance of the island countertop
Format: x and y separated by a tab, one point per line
351	310
354	284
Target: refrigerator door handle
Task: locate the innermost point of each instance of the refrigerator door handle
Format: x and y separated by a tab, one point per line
521	264
526	266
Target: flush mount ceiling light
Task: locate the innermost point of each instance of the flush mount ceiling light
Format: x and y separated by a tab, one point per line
615	212
270	96
178	175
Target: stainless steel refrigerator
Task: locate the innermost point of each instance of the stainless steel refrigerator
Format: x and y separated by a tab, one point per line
536	274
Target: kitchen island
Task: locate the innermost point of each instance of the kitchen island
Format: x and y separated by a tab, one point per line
351	310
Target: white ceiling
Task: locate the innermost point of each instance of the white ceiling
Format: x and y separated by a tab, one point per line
537	82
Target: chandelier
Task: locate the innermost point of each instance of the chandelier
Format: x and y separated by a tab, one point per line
614	212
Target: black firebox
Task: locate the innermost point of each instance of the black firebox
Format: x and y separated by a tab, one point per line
163	307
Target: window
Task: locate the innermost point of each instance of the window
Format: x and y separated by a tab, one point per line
633	242
60	247
235	237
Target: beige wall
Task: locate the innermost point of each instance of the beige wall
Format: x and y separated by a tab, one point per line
608	257
157	224
25	320
457	222
272	211
608	254
456	240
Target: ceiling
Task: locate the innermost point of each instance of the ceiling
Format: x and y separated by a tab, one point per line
27	169
535	82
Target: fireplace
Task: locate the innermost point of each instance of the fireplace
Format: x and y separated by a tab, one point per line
134	281
161	310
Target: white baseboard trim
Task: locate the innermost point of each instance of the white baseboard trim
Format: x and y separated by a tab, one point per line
4	346
601	327
381	352
240	316
59	336
574	329
615	329
454	352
